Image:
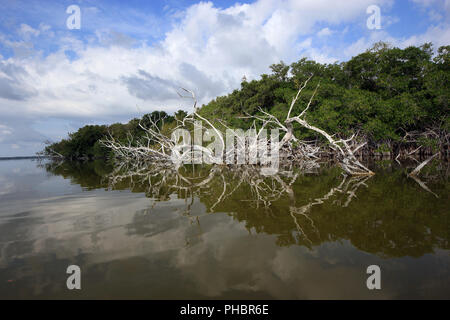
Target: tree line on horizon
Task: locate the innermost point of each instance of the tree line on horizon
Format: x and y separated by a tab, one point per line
395	98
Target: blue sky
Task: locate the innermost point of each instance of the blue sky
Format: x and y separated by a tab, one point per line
129	57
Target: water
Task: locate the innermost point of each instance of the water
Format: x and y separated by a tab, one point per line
221	234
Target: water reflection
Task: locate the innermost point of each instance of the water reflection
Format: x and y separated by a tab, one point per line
140	231
384	214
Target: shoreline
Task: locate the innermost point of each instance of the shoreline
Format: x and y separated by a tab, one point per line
23	157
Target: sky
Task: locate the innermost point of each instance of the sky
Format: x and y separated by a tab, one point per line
131	57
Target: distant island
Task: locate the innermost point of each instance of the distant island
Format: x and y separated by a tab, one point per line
23	157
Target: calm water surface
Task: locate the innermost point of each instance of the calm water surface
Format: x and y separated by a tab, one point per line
221	234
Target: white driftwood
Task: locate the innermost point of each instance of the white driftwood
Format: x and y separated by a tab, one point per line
158	147
423	164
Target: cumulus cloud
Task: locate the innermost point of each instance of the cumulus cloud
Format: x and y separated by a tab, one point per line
439	35
13	82
27	31
148	87
209	49
324	32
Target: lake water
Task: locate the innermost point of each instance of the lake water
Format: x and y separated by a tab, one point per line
218	233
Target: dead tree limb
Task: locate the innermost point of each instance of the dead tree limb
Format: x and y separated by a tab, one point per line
416	171
347	158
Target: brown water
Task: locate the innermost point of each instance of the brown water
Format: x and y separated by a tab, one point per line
221	233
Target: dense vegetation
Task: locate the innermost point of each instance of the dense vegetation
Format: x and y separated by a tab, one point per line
85	143
383	93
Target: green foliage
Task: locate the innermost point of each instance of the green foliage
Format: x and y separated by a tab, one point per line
85	143
80	144
428	142
381	93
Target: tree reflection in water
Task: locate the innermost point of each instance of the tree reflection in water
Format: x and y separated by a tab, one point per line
387	214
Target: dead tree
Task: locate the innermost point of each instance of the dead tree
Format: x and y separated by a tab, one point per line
157	146
346	147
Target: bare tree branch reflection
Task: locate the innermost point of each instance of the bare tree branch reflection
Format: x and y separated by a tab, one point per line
263	190
381	214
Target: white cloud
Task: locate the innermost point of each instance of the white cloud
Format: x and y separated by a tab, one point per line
26	31
209	50
438	35
324	32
